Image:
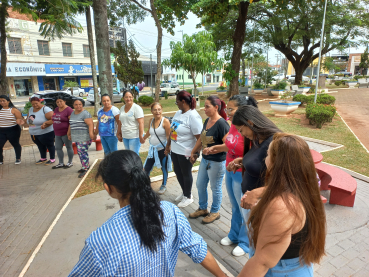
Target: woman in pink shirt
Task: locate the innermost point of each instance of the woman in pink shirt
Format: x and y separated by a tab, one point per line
234	148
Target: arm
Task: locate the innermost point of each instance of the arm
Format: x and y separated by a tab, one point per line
141	128
87	265
90	125
148	131
166	128
235	165
167	147
196	149
49	121
18	116
96	131
210	264
69	134
251	198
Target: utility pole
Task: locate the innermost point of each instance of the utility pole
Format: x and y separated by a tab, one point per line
152	90
252	63
182	66
266	73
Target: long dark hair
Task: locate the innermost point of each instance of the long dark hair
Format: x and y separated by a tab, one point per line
215	101
242	100
262	127
188	98
6	97
123	169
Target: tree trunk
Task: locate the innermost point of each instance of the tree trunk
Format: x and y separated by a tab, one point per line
3	16
92	59
238	40
158	50
103	47
243	72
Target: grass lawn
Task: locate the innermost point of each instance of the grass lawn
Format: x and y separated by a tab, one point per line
352	156
90	185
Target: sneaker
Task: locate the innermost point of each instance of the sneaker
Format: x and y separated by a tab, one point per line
83	173
179	197
68	165
198	213
162	190
210	218
185	202
58	166
41	161
82	170
49	162
1	162
226	241
17	161
238	251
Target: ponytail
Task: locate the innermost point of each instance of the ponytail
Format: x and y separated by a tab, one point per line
123	170
215	101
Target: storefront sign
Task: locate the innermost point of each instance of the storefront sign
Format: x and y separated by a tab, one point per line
70	69
86	82
25	69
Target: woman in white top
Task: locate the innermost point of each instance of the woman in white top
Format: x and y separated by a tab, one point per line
185	130
10	131
131	129
159	130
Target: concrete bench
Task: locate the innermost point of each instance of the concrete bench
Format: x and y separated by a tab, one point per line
363	83
97	141
297	90
341	184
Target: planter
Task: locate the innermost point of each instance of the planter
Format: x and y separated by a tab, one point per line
351	84
243	90
269	91
304	89
258	90
284	109
278	92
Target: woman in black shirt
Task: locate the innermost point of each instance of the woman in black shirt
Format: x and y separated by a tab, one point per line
212	166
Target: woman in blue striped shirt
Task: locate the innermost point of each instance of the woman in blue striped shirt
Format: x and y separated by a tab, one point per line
142	238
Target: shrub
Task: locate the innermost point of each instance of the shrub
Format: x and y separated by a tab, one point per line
280	85
300	98
189	90
202	97
338	83
321	99
166	95
199	85
318	114
26	108
221	88
258	85
145	100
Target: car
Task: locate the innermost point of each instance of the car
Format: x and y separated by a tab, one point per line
168	88
175	84
345	73
279	77
50	98
76	91
291	79
117	97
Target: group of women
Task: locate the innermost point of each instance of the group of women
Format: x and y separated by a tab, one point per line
277	215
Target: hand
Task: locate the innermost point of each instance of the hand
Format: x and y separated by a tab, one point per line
142	140
234	165
193	158
20	121
205	151
249	200
43	126
212	150
119	136
70	137
167	150
92	136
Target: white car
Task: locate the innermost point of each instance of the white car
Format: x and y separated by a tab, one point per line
279	77
292	79
117	97
76	91
169	88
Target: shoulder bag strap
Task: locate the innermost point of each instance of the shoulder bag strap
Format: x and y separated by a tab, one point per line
153	126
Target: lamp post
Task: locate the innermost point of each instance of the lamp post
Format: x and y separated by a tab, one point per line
320	53
182	66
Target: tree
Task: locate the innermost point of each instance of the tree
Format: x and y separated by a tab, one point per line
299	27
364	62
71	85
121	63
196	55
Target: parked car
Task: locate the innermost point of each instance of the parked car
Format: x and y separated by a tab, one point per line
291	79
117	97
175	84
169	88
345	73
279	77
76	91
50	98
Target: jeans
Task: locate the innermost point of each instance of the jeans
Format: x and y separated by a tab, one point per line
11	134
45	142
109	143
213	172
164	166
59	141
82	150
238	232
288	267
183	169
132	144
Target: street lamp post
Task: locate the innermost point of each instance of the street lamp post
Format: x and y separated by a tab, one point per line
320	53
182	66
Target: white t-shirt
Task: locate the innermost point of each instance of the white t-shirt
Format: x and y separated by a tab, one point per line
184	127
129	121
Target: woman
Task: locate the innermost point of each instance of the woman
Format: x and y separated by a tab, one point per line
60	120
41	129
158	131
234	148
131	129
142	238
288	224
81	132
10	119
212	166
185	130
107	122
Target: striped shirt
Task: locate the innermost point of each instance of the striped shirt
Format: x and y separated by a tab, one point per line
78	127
7	119
115	248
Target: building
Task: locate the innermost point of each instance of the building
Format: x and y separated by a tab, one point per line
354	60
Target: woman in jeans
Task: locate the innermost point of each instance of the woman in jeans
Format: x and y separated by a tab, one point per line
185	130
234	148
10	119
212	166
131	129
158	131
107	122
61	124
41	129
288	223
81	132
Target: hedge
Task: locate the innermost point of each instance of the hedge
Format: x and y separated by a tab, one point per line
145	100
318	114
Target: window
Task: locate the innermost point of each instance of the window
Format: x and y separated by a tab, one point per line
15	46
43	48
86	51
67	49
189	77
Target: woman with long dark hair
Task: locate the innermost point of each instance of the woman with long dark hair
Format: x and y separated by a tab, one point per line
234	148
10	119
142	238
185	130
212	166
288	224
